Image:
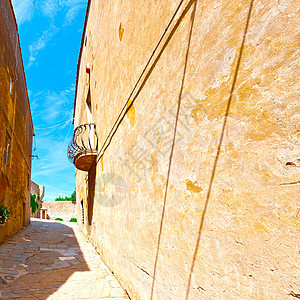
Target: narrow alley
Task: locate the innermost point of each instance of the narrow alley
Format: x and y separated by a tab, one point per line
53	260
149	150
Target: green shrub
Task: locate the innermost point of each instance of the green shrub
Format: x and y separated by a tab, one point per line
4	214
33	203
58	219
73	220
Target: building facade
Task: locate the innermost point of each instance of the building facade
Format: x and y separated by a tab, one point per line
39	191
188	170
16	130
65	210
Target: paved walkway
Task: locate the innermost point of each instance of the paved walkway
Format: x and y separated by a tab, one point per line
53	260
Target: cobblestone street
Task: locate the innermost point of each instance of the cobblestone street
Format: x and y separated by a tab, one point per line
53	260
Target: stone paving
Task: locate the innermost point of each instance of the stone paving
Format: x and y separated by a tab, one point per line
53	260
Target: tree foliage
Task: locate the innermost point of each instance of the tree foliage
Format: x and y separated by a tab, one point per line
72	198
33	203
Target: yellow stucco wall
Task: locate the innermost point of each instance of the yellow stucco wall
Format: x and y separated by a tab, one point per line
15	119
227	226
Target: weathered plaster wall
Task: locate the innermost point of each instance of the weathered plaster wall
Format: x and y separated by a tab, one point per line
227	226
15	119
60	209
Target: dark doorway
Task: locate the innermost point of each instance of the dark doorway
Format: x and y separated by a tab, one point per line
24	214
91	193
82	211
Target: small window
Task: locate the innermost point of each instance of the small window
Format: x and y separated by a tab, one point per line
82	212
28	181
10	86
89	107
7	148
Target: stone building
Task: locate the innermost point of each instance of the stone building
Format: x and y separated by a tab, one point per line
16	130
188	168
65	210
39	191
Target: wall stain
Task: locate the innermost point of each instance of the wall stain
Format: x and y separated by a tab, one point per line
3	185
193	187
131	113
198	113
121	31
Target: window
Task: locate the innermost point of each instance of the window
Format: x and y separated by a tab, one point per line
7	149
89	107
82	212
28	181
10	86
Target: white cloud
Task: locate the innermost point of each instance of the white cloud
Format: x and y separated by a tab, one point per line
53	107
72	13
54	171
50	8
23	9
40	43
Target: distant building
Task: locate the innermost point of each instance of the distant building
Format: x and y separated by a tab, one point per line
65	210
39	191
16	130
186	145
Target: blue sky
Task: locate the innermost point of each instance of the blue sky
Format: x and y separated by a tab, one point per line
50	34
